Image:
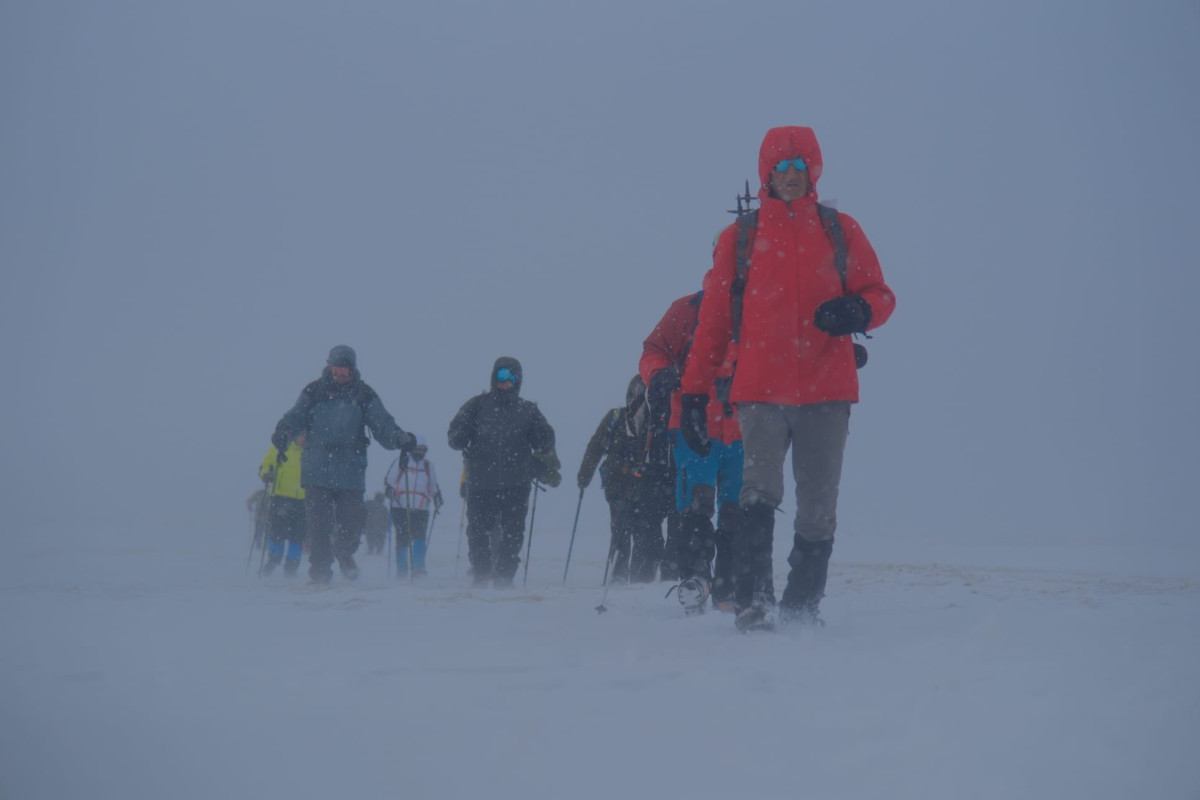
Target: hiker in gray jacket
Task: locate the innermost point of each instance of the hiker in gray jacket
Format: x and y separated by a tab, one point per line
336	411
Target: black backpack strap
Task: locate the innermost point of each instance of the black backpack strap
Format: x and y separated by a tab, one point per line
837	237
746	222
833	229
364	395
737	290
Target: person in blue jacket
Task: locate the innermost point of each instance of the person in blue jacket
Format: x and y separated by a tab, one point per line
335	412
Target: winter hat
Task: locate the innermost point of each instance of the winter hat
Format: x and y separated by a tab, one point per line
343	356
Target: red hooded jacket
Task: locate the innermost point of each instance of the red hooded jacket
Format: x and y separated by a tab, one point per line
783	358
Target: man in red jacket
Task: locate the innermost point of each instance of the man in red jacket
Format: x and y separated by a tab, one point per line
796	377
701	480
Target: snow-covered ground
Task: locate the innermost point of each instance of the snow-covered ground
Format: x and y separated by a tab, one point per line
159	670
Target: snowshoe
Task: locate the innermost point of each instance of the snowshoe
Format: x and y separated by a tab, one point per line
760	616
692	594
804	615
754	618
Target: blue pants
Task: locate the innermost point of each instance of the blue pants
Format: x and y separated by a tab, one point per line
721	467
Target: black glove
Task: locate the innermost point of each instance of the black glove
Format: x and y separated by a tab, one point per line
438	502
582	480
693	423
281	441
545	468
389	492
662	385
843	315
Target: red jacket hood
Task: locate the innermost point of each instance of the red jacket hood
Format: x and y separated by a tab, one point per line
788	142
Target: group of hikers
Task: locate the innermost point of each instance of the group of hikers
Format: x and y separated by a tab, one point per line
760	361
315	476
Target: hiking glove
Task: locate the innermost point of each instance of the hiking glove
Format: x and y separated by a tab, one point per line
281	440
545	468
662	384
693	422
843	315
582	480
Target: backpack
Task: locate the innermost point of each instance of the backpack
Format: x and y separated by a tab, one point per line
747	220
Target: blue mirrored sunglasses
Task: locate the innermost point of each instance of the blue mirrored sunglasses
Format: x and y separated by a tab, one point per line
798	163
505	375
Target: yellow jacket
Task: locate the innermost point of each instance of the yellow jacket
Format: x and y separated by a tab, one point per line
287	481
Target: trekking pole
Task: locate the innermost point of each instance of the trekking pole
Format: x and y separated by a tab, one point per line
462	520
574	527
412	572
391	533
268	501
253	532
537	487
612	549
262	559
429	533
600	609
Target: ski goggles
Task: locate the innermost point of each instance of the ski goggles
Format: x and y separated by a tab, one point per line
798	163
505	374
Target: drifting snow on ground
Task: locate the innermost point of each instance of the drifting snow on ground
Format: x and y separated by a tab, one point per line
161	673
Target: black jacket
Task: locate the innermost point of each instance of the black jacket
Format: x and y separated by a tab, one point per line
621	452
636	453
505	441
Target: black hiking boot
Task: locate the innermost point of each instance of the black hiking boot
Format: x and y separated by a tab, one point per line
348	567
754	589
729	526
801	599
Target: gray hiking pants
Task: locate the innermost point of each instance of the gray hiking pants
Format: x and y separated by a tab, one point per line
817	435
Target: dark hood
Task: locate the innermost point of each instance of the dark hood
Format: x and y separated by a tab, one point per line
635	393
514	366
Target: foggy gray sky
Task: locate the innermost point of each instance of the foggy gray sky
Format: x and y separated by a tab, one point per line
198	200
